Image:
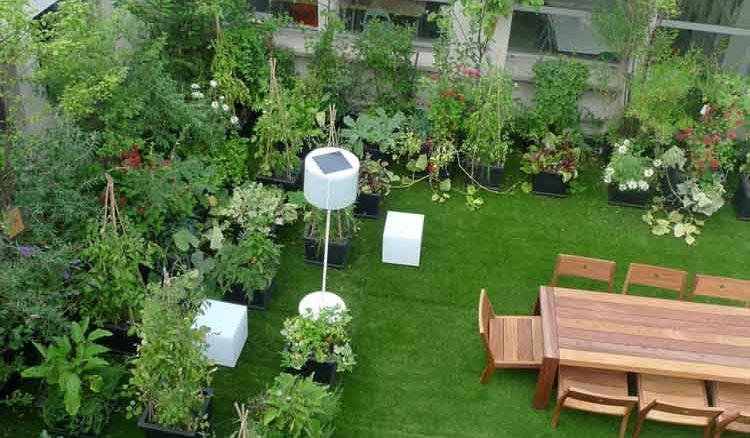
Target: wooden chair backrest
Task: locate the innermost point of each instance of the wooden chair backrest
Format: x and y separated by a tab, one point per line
656	276
722	287
600	399
485	315
584	267
710	413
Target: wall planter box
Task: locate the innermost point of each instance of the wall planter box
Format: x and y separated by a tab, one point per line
120	342
338	252
669	182
487	175
322	372
549	184
287	183
742	199
151	430
629	198
261	298
368	205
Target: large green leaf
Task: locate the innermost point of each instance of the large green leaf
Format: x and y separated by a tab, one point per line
71	384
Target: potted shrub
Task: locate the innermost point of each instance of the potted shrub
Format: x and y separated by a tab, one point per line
171	375
742	195
81	384
373	134
343	228
318	346
553	163
246	270
629	176
487	137
287	120
296	407
374	184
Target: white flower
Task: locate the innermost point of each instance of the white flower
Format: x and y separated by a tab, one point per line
234	120
657	163
632	184
225	107
626	142
221	98
609	171
622	187
215	105
195	87
648	173
197	95
622	149
643	185
607	179
213	83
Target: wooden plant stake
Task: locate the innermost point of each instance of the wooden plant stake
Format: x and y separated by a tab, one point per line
111	213
333	140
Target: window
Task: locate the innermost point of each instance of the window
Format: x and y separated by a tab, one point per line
301	11
356	13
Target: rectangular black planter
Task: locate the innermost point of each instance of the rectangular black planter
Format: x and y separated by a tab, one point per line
260	300
549	184
375	154
629	198
120	342
368	205
486	175
155	431
669	183
290	184
322	372
338	252
742	199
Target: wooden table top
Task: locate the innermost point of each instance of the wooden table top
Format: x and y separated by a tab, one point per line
646	335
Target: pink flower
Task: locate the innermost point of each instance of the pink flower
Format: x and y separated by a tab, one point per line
708	140
472	72
731	134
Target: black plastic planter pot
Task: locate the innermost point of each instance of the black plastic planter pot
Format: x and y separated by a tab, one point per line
368	205
287	183
338	252
151	430
549	184
629	198
669	182
375	153
120	342
742	199
236	294
322	372
486	175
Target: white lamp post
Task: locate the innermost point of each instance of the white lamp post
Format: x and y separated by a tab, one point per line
331	178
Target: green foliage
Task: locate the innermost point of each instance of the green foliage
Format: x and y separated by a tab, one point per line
322	338
78	376
488	126
299	408
112	289
558	154
171	371
329	71
559	85
231	159
372	129
383	52
257	208
628	168
343	224
374	177
252	263
53	177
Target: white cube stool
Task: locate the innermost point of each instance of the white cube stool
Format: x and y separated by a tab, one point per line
227	324
402	238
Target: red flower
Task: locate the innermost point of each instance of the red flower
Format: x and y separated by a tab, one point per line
717	138
681	135
450	92
739	122
708	140
472	72
731	134
715	164
460	97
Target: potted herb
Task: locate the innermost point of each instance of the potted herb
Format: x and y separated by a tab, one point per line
171	375
629	175
255	208
343	228
318	346
742	195
287	120
553	163
374	184
373	134
487	129
82	384
246	270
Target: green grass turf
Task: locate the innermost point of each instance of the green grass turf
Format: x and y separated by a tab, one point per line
415	329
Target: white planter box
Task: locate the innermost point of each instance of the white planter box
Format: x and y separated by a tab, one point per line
402	238
227	324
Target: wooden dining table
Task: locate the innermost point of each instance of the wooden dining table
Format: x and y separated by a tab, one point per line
642	335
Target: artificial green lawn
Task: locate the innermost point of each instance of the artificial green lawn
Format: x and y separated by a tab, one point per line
415	329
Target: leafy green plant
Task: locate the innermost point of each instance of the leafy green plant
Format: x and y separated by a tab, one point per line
374	177
232	159
488	126
251	263
376	129
343	224
170	371
79	377
559	85
329	71
628	168
322	338
299	408
558	154
257	208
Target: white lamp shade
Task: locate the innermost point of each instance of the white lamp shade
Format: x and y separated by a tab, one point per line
331	178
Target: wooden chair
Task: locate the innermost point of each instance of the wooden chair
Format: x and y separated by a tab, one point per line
584	267
598	391
674	400
722	287
510	341
734	398
655	276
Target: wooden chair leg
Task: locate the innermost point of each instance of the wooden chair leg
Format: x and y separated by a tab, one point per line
624	424
707	431
718	431
638	426
558	410
488	371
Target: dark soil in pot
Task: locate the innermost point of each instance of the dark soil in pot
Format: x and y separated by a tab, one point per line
368	205
322	372
260	298
629	198
549	184
151	430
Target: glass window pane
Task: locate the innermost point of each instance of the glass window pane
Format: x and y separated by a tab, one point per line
356	13
547	33
731	51
732	13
